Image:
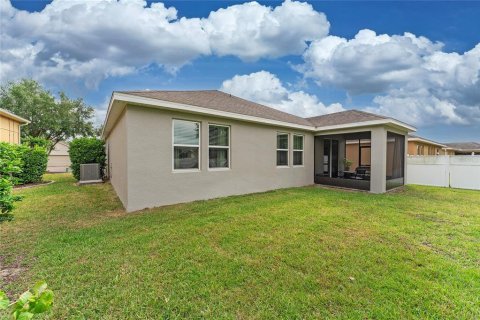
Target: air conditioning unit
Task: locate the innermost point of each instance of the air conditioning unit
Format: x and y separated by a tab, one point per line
90	173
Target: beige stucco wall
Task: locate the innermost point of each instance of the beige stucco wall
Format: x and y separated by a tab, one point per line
9	130
116	148
152	182
58	159
58	163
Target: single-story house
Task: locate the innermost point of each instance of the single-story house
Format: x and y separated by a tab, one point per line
10	125
168	147
465	148
418	146
59	159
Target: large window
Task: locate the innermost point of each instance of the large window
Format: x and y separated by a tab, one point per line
218	146
297	150
282	149
186	145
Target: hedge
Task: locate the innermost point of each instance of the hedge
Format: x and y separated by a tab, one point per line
34	164
37	142
10	162
86	150
22	164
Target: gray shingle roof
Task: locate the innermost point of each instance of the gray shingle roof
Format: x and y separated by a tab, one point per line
464	145
412	136
221	101
344	117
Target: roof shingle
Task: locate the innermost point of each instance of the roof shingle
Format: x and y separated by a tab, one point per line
221	101
464	145
344	117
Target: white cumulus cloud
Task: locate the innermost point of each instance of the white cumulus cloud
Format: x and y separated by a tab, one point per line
265	88
251	30
412	77
92	40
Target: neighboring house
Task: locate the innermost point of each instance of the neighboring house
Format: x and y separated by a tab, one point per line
168	147
59	159
460	148
418	146
10	125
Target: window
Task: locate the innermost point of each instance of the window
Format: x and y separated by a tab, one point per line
297	150
282	149
186	145
218	146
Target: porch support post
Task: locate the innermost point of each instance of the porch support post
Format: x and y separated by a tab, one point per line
341	153
378	169
405	159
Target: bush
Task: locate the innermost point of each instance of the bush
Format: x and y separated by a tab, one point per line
10	163
37	142
86	150
7	199
10	160
34	164
30	303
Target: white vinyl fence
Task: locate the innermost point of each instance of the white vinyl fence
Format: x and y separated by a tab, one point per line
444	171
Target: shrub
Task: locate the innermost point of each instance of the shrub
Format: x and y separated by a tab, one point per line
34	164
37	142
10	160
10	163
86	150
30	303
7	199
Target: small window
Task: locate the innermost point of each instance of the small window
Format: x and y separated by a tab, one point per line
218	146
297	150
186	145
282	149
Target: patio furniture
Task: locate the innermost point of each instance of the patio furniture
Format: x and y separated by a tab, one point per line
362	173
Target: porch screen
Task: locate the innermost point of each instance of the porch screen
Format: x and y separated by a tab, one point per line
395	160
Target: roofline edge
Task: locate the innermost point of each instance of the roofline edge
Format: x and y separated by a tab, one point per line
125	97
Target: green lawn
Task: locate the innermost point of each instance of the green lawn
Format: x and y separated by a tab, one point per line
293	253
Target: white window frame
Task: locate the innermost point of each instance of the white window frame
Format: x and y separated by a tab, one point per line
220	147
297	150
187	145
277	149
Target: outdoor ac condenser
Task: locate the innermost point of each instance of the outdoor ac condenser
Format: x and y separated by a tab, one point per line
90	173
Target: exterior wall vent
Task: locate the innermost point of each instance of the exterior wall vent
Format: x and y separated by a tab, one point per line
90	173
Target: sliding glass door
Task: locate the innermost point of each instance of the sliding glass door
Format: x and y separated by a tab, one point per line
330	158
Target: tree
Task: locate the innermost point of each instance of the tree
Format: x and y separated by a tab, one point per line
52	119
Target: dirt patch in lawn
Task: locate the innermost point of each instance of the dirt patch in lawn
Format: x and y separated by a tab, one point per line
32	185
10	272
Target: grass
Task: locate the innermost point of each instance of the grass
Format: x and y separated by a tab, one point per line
293	253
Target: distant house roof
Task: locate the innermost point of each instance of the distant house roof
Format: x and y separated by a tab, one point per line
12	116
464	146
344	117
221	101
221	104
412	137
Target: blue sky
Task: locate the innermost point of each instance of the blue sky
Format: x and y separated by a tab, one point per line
429	77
